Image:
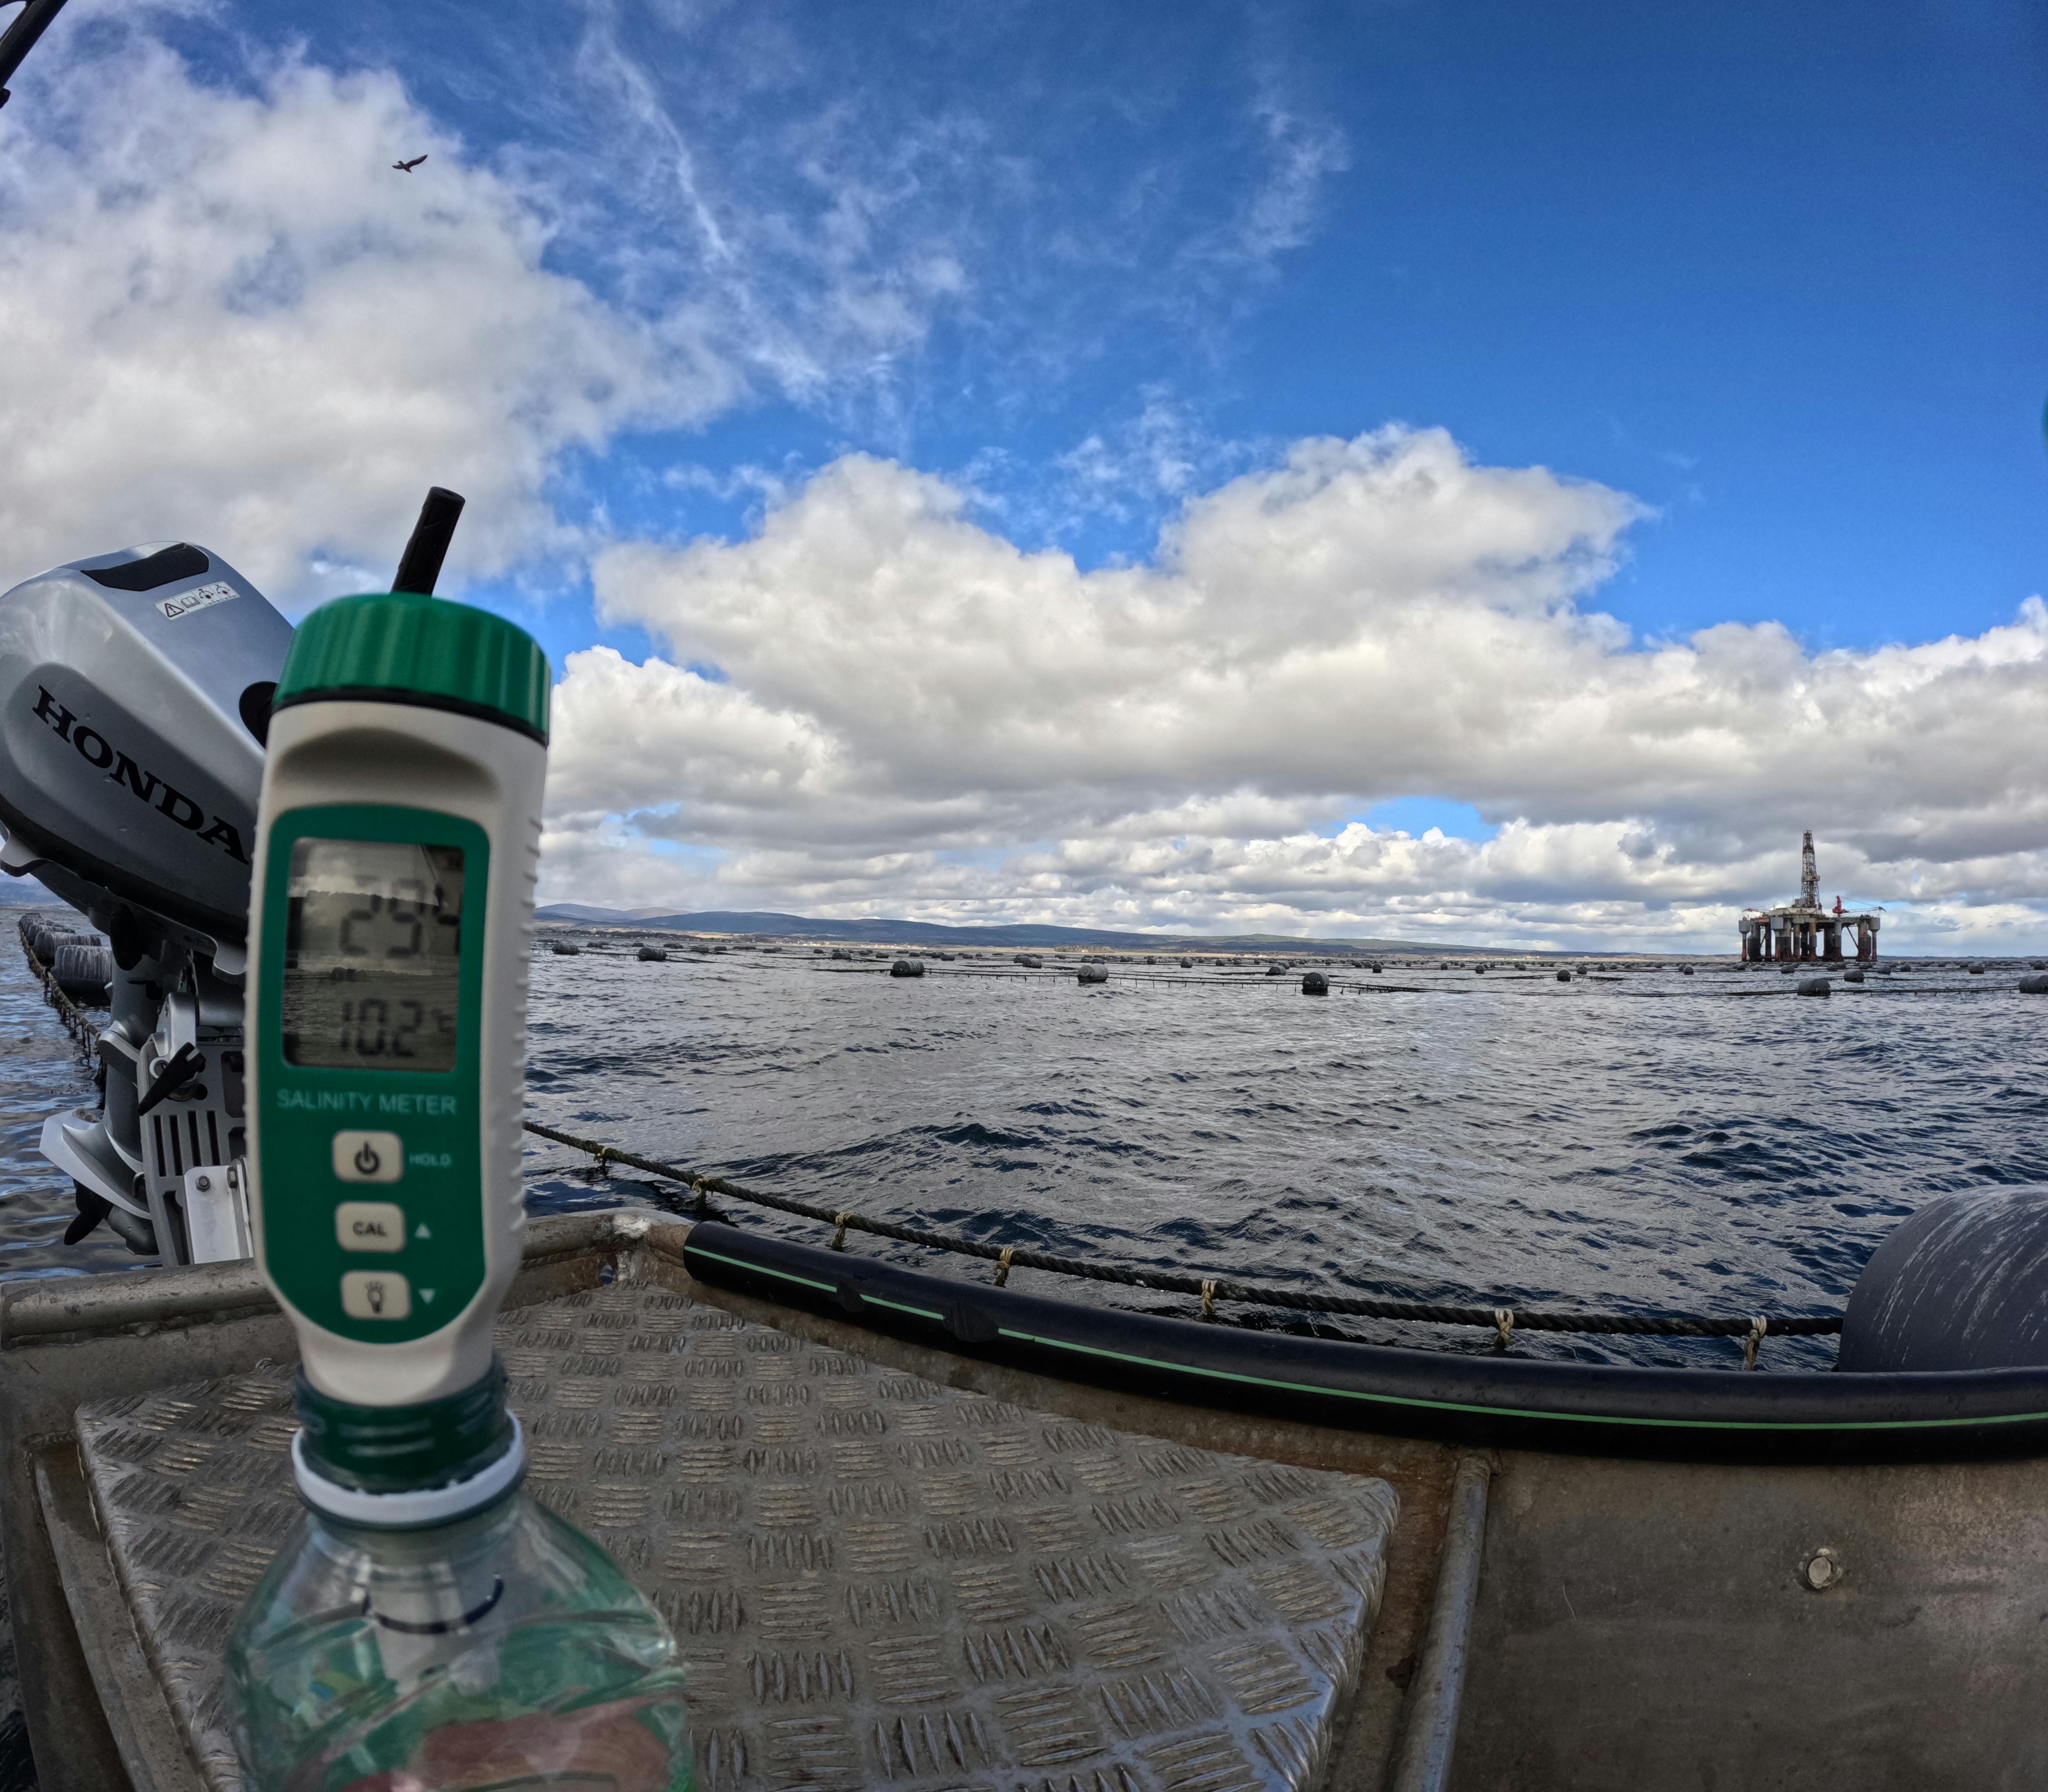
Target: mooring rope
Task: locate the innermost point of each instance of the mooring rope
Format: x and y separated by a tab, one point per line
77	1023
1212	1289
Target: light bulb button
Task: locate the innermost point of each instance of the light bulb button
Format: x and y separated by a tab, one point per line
375	1294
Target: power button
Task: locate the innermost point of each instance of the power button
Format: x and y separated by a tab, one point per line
368	1157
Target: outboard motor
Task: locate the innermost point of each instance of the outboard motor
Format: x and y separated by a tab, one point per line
135	690
135	693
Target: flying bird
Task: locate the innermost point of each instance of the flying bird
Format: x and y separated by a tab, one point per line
407	167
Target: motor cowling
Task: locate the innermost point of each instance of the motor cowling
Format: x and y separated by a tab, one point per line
134	688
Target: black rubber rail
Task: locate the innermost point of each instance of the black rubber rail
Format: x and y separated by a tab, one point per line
1487	1400
1499	1318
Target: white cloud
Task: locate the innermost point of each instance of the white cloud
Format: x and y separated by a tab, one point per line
226	314
898	690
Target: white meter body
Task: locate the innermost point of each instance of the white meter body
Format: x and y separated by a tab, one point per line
397	841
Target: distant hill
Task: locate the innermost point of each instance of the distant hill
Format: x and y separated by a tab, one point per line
597	917
25	893
929	932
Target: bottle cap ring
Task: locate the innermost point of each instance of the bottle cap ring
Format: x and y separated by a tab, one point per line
416	1506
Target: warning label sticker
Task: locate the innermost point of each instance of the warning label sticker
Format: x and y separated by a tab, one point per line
200	597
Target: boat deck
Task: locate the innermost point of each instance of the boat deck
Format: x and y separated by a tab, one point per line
890	1562
875	1580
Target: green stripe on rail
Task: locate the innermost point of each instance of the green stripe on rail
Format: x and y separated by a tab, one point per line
807	1281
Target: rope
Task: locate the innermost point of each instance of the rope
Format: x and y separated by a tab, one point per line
1758	1327
1503	1323
1003	1265
1215	1288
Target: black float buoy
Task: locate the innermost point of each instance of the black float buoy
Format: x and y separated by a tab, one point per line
1853	976
907	967
1813	986
1564	977
84	972
1092	973
652	954
564	950
1685	970
1187	964
1962	1284
1314	983
1976	970
1026	959
2034	986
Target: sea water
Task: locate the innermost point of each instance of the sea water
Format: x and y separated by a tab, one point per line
1637	1141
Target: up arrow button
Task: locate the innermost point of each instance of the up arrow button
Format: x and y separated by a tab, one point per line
427	1294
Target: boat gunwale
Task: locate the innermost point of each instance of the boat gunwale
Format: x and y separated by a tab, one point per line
1580	1408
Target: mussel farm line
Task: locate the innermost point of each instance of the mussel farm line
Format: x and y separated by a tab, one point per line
1331	976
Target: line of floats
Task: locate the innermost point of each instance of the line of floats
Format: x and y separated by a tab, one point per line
1323	978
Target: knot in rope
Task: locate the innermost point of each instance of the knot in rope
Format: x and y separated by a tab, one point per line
839	1237
1208	1297
1503	1326
1002	1265
1758	1327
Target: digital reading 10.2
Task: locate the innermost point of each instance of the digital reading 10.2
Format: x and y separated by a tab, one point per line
373	947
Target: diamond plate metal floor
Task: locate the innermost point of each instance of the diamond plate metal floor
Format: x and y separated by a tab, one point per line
875	1581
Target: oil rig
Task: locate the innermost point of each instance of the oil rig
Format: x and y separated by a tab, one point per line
1803	930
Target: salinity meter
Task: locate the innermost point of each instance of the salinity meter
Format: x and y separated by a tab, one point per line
392	905
433	1625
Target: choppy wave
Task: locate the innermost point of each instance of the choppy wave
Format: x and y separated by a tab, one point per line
1655	1142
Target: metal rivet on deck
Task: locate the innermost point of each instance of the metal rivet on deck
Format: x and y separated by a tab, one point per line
1821	1570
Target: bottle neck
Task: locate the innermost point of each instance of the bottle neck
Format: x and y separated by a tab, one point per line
477	1532
397	1467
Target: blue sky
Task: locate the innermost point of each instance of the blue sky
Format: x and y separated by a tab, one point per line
1782	274
1772	278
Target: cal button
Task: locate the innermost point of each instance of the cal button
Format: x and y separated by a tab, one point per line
368	1157
369	1225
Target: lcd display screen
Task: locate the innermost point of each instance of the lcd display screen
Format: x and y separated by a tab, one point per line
372	950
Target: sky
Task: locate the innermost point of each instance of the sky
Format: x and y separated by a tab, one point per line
1466	472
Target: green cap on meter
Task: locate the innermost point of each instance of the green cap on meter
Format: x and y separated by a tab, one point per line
402	647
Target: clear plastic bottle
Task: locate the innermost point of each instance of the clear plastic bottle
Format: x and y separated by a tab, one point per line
503	1649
